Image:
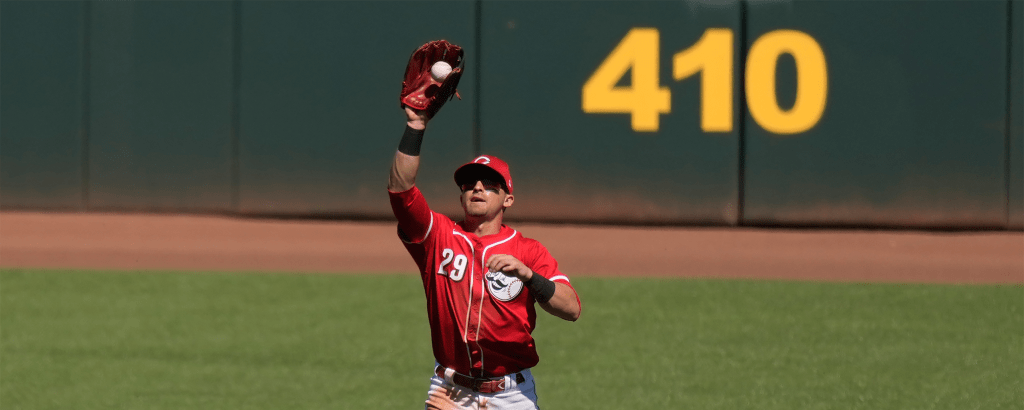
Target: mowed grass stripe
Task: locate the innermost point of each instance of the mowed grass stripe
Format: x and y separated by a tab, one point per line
171	340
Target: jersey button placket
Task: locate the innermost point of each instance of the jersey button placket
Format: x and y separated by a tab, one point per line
476	354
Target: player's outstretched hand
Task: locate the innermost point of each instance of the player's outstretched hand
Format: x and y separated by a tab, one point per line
510	266
417	118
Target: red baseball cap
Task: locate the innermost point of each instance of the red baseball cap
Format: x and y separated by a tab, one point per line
484	164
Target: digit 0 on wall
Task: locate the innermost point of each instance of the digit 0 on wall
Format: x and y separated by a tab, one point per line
910	134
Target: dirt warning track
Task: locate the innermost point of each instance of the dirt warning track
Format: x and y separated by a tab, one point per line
221	243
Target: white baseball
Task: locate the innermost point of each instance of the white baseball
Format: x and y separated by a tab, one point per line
440	70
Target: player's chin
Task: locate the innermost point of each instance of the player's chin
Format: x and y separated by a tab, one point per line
476	209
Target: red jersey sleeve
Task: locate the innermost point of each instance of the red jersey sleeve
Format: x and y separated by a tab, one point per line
545	264
415	220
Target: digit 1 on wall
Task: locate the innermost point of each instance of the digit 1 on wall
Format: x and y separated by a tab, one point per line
644	99
711	56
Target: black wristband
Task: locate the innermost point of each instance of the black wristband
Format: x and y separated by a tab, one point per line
542	288
411	140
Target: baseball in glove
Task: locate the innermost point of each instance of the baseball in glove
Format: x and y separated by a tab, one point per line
425	91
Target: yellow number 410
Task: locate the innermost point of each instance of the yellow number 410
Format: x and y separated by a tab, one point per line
644	99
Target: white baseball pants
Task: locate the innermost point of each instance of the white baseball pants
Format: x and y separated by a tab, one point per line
445	395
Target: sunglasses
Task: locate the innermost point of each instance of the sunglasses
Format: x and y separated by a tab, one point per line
489	185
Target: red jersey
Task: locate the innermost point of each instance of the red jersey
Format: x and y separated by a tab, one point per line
480	321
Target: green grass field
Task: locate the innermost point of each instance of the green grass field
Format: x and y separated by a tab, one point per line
171	340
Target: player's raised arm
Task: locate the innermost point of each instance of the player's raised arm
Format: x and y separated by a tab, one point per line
407	158
431	78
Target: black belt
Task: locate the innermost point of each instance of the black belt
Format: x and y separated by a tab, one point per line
485	386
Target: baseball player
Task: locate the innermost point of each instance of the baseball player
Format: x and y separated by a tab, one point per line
480	276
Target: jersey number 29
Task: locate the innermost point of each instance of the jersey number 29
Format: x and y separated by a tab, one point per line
457	262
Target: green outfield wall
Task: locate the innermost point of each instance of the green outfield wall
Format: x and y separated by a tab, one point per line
1015	119
537	59
43	121
717	112
913	129
319	117
160	105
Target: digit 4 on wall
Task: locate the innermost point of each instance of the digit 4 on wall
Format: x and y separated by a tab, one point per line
711	56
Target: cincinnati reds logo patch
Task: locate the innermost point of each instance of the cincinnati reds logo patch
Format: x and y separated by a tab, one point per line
502	287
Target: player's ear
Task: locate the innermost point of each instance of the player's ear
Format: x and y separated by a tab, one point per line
508	201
